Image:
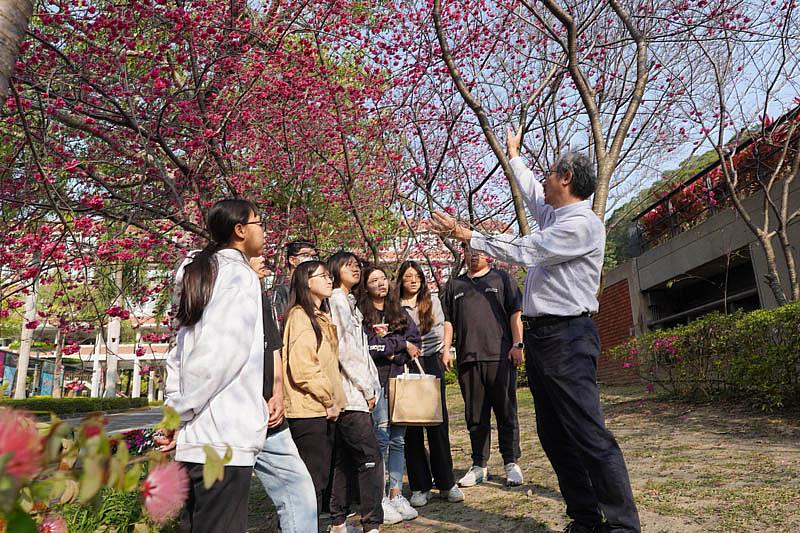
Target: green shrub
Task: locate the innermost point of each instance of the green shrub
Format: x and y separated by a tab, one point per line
750	356
62	406
115	508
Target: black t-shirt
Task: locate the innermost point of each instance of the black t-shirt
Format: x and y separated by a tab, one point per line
480	310
272	342
280	302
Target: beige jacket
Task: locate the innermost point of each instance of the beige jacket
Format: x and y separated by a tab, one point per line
311	378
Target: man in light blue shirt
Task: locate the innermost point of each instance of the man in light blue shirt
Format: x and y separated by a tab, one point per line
564	257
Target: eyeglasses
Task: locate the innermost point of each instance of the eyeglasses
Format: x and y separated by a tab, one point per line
413	277
259	222
306	256
353	265
323	275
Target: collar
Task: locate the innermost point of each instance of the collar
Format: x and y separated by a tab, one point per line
233	253
570	208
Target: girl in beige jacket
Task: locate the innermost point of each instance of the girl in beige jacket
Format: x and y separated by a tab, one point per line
312	383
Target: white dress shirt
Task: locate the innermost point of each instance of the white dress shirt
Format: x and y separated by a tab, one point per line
564	256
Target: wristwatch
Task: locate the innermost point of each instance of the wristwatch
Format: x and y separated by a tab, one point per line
520	345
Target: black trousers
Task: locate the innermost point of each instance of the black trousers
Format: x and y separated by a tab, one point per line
439	464
220	509
357	453
490	386
314	439
561	361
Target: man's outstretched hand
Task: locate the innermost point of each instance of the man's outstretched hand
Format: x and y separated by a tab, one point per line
448	227
513	141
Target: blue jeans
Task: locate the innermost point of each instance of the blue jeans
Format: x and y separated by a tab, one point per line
391	442
287	482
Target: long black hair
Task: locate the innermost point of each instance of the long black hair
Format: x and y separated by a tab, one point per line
393	313
300	294
199	275
424	303
335	264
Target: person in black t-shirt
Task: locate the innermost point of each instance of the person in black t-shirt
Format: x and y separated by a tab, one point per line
296	252
483	309
278	466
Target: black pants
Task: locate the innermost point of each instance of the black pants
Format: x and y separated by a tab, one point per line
490	386
439	464
561	361
220	509
357	452
314	440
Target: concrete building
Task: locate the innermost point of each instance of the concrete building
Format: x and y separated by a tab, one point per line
694	253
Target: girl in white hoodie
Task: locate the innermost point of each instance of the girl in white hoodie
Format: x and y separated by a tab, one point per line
214	374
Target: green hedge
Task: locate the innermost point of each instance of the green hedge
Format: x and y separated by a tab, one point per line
61	406
745	356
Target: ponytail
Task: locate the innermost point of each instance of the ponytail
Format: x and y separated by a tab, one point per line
199	275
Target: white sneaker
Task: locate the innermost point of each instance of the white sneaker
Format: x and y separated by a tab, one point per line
419	498
390	514
476	474
513	475
454	495
402	506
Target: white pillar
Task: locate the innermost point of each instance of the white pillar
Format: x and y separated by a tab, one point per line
26	339
136	389
96	369
151	386
112	357
136	386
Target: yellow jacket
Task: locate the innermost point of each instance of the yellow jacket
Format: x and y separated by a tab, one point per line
311	378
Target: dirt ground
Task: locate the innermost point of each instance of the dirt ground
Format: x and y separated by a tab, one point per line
694	467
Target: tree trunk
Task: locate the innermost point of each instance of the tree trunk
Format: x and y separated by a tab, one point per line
57	370
14	18
773	279
112	342
26	340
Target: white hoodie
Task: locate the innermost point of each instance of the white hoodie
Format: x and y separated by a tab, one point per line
215	372
359	375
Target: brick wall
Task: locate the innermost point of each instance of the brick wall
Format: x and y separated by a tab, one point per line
615	323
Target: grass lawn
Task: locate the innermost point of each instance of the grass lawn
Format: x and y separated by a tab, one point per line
694	467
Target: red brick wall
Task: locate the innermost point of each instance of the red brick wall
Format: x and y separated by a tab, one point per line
615	323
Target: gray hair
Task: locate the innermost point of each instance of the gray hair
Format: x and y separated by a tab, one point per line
584	180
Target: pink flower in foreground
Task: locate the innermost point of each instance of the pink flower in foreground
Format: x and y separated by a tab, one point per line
53	523
164	491
19	440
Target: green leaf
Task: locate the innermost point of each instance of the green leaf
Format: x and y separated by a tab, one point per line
141	527
214	467
91	479
56	439
171	420
20	522
116	473
132	477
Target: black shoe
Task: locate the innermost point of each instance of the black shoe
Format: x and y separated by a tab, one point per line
580	527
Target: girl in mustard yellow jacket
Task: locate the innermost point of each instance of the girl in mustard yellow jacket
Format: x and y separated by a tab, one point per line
312	384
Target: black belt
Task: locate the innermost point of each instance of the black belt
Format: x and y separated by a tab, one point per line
549	320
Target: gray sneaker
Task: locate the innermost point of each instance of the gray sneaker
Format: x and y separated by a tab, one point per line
513	475
419	498
454	495
475	475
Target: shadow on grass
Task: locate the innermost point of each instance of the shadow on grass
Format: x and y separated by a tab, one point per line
438	515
